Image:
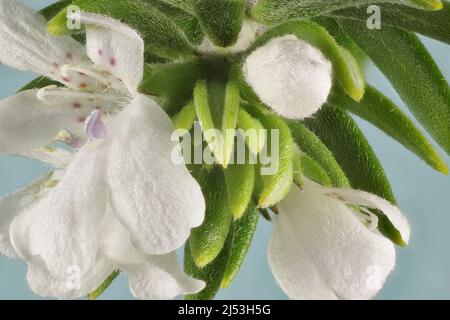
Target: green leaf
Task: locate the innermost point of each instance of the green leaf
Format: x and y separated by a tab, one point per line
240	181
161	35
212	274
243	231
346	68
172	83
255	137
279	152
412	71
314	148
221	20
185	5
339	132
185	119
53	9
99	291
433	24
276	11
217	106
184	20
352	151
207	241
308	167
39	83
383	113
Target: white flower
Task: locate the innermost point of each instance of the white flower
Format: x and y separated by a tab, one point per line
119	201
290	76
322	248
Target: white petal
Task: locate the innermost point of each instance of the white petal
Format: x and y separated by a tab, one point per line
60	231
156	199
27	123
369	200
26	44
160	278
12	205
320	250
290	76
150	277
43	283
115	47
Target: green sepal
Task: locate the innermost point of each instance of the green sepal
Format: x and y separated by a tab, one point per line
240	181
212	274
185	119
255	142
310	144
207	241
217	105
305	166
172	83
243	231
274	187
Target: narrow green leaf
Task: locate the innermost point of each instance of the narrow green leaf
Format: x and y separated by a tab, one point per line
412	71
255	137
212	274
383	113
277	173
172	83
161	35
221	20
230	118
185	118
240	180
243	231
184	20
339	132
352	151
185	5
346	68
433	24
39	83
207	241
276	11
102	288
314	148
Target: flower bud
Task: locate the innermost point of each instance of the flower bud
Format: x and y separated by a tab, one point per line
290	76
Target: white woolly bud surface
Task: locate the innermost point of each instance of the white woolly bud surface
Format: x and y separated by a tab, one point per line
290	76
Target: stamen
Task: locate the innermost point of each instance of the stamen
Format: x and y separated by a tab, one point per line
372	219
53	90
108	81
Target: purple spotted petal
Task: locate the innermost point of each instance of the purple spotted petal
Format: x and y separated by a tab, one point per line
95	128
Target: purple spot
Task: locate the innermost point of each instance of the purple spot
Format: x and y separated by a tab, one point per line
69	56
76	105
81	119
77	142
83	85
66	79
113	61
55	65
95	128
100	52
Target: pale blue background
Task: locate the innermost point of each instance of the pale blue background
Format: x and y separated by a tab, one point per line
423	268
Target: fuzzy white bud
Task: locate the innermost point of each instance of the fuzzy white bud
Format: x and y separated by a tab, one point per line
290	76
